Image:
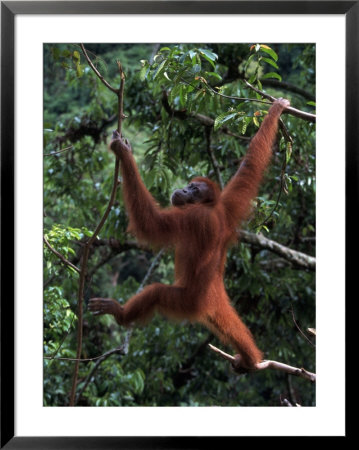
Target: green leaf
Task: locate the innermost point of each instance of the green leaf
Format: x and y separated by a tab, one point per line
272	75
270	52
76	55
159	69
209	56
196	68
288	153
215	75
142	73
253	78
256	122
174	92
79	70
249	60
192	55
246	122
223	118
271	62
183	96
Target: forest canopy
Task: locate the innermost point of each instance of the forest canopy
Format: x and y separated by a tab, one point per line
188	110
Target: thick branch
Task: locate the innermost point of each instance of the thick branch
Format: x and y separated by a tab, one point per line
290	110
270	365
298	258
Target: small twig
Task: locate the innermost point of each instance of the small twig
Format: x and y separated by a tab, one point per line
285	132
152	267
119	350
270	365
90	63
213	157
300	331
120	98
104	355
62	340
60	151
231	97
282	173
291	391
61	257
243	99
103	261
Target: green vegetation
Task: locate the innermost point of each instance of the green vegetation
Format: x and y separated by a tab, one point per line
187	115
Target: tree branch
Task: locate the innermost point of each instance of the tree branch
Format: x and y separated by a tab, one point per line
212	157
290	110
151	269
275	365
298	258
58	152
61	257
300	331
119	350
90	63
123	349
204	120
88	244
288	87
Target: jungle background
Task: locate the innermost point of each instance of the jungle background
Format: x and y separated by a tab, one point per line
189	112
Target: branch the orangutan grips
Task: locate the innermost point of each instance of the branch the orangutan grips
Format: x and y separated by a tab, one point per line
119	144
283	102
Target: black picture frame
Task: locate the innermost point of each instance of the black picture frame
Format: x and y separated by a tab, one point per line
9	9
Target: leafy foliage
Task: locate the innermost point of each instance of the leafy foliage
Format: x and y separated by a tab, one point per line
180	101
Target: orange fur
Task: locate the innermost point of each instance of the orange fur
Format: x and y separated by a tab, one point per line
200	234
